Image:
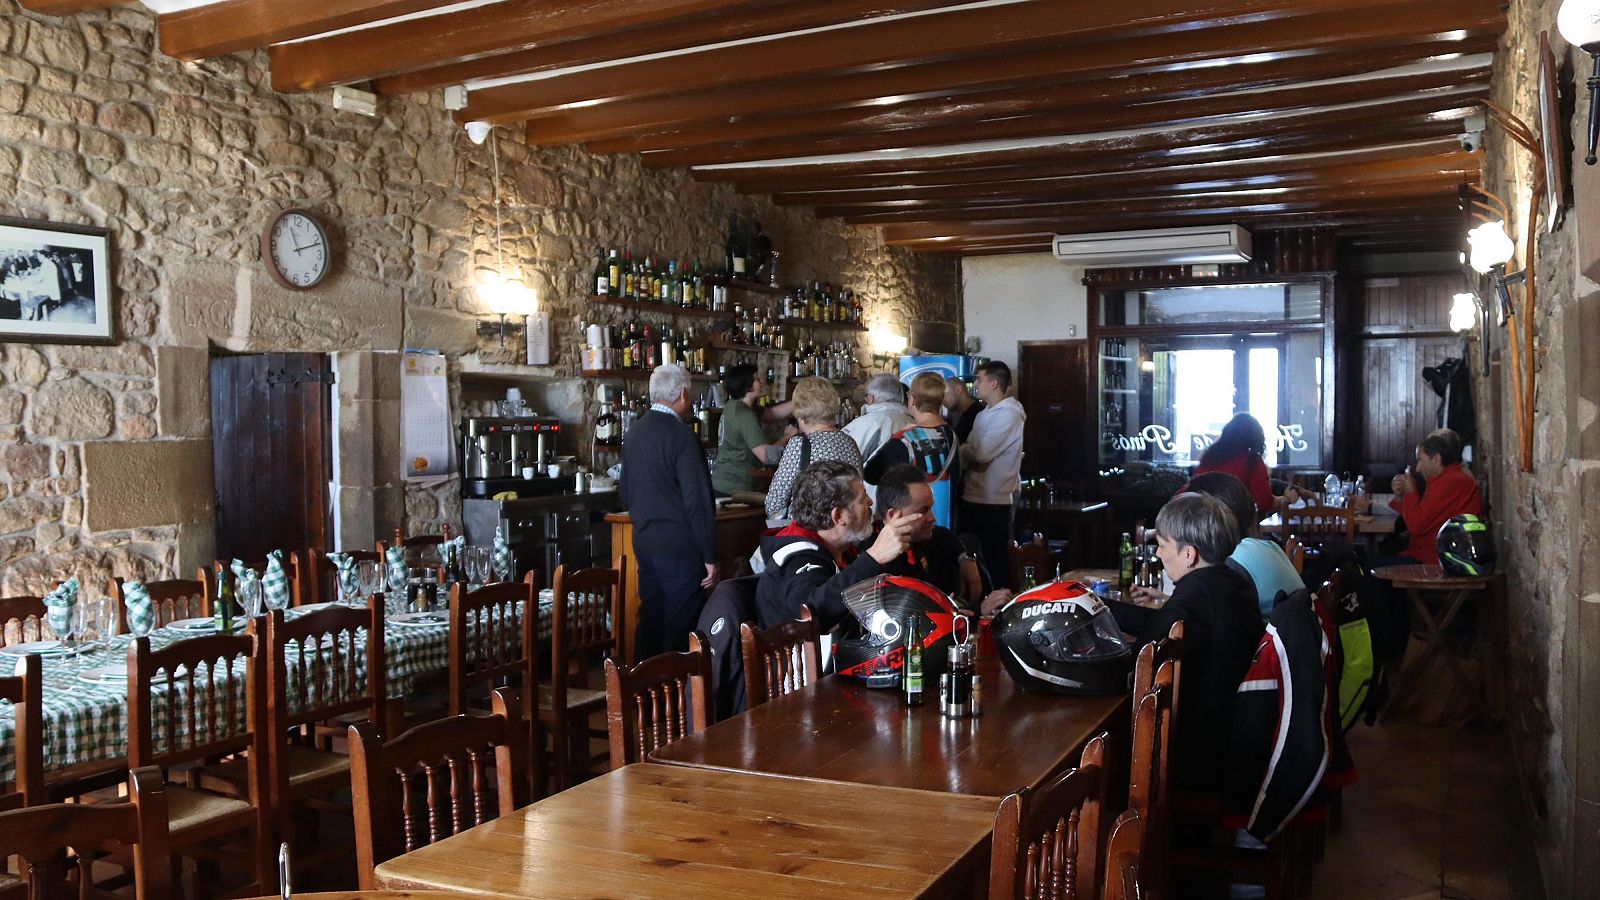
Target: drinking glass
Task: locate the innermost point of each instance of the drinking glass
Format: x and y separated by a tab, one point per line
369	577
480	565
250	598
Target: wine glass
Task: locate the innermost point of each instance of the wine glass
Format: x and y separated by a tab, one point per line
479	564
250	598
369	577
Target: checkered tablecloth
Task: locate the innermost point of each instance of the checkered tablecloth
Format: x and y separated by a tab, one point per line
86	721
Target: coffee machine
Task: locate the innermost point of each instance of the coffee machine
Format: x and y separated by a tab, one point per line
496	449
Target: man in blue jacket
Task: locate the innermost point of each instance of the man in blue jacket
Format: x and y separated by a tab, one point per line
666	487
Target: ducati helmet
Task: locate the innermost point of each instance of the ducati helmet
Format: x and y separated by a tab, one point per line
882	605
1061	638
1466	546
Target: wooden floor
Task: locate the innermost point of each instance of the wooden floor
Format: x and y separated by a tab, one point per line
1435	815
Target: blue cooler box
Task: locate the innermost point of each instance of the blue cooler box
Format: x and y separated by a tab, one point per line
945	364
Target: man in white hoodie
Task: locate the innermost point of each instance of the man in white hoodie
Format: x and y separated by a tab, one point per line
991	460
884	415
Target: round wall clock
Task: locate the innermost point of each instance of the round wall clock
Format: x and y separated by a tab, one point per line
296	249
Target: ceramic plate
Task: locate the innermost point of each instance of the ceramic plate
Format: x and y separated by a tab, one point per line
203	623
421	619
45	648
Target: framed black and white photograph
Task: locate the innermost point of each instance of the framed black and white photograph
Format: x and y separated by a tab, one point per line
55	283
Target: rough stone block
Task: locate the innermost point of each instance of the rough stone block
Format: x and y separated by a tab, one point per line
183	391
71	409
357	522
23	514
24	461
357	422
436	329
200	301
346	313
387	458
196	548
354	372
132	484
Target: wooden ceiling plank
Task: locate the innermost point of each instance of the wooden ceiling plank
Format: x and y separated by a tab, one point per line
958	34
234	25
871	99
933	231
68	7
692	31
1442	86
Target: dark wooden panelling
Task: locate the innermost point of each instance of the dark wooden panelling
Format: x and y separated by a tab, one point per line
1052	388
1295	251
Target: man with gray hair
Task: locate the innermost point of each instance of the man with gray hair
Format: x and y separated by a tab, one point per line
884	416
813	559
666	488
1195	534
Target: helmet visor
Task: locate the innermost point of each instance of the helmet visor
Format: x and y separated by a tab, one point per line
1079	639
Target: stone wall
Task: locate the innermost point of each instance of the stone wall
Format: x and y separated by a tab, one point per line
185	165
1548	532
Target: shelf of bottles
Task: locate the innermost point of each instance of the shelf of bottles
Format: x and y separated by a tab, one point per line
1119	382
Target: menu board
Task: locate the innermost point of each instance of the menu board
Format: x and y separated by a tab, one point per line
424	415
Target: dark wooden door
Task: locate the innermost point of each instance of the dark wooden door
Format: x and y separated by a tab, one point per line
1052	385
270	430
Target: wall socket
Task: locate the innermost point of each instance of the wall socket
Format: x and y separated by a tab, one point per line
1072	331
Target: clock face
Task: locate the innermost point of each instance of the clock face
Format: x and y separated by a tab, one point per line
297	250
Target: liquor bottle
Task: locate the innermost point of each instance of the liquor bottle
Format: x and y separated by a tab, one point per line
698	289
606	430
759	253
1125	574
630	278
602	278
735	249
1029	579
614	276
911	679
222	607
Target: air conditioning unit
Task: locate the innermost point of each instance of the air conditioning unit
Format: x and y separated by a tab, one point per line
1155	246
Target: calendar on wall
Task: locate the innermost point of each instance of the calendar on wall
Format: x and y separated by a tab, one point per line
424	415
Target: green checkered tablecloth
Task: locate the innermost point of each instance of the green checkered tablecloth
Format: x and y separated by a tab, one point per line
86	721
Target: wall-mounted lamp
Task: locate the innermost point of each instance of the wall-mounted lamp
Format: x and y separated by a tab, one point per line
477	131
506	295
1492	248
360	102
1463	312
1579	22
886	345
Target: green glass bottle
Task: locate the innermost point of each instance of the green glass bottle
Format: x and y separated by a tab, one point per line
1125	574
222	606
911	674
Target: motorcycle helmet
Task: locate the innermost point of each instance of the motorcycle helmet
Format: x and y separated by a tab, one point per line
1061	638
1466	546
882	604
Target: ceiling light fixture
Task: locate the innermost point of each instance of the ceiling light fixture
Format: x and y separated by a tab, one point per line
1579	22
351	100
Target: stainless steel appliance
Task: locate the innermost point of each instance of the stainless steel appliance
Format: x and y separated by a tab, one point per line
544	532
495	450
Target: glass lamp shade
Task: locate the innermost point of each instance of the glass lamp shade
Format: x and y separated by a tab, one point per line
1463	312
507	296
1579	22
1491	246
887	342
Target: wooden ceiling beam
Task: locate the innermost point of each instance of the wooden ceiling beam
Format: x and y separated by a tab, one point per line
694	31
949	107
68	7
1446	88
1332	215
1399	163
234	25
954	35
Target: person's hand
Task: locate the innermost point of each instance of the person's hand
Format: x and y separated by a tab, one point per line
710	581
1144	596
1291	495
996	599
788	433
1403	484
894	538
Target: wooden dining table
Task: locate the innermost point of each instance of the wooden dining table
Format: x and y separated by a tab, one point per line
651	831
838	730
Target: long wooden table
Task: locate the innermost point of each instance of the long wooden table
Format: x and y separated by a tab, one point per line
648	831
838	730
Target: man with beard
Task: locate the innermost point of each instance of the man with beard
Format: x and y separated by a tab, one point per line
813	559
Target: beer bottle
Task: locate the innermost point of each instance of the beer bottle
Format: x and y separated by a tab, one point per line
1029	579
1125	575
911	673
222	607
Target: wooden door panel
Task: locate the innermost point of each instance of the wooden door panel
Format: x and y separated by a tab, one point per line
1052	386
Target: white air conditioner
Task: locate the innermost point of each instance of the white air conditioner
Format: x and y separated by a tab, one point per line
1155	246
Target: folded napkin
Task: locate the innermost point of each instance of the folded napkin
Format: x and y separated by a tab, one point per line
394	560
502	557
141	609
349	577
59	605
245	582
275	583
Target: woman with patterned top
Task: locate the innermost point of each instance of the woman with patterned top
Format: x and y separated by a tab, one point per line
816	409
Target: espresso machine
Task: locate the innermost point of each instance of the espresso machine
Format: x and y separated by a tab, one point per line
496	451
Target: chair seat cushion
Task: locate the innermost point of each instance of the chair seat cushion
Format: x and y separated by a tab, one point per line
195	815
578	699
309	769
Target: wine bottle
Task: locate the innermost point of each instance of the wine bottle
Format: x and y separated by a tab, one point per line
614	276
735	248
222	608
602	282
630	278
911	679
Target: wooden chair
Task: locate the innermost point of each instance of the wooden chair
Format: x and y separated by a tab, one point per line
39	835
192	702
1036	554
1047	839
781	659
658	701
1123	859
490	644
415	541
586	626
26	694
1157	678
22	620
1321	520
174	598
315	578
1296	552
393	816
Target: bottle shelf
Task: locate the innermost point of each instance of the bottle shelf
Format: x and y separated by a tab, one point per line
811	323
1117	358
1118	391
718	344
644	306
635	375
739	284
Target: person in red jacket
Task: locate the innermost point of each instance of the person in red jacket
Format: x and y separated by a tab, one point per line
1239	451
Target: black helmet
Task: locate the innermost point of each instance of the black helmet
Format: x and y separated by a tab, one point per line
1466	546
1060	637
881	605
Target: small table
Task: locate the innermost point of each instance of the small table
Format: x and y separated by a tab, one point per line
670	831
1418	580
1074	519
837	729
1369	527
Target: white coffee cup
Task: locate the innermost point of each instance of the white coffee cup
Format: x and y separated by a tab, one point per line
528	472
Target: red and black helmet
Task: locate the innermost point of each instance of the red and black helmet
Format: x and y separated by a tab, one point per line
1060	637
882	604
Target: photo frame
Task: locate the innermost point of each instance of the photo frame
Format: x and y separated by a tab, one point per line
55	283
1552	135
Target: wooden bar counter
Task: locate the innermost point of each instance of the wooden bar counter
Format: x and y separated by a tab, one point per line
651	831
738	532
